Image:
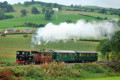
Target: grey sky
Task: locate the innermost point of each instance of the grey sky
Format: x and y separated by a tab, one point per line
102	3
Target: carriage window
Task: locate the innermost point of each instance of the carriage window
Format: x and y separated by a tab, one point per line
69	54
95	54
57	54
49	55
87	55
80	54
45	55
66	54
73	54
42	55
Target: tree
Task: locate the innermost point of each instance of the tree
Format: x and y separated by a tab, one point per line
43	10
49	5
9	8
115	42
72	5
110	48
60	7
23	12
55	5
5	2
103	11
32	1
48	15
34	10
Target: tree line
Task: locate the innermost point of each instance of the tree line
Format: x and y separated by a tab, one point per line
47	9
5	7
109	11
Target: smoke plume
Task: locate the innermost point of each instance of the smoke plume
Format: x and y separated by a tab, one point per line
66	31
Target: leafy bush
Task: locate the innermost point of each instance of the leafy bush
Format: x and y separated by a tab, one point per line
25	35
93	68
3	35
59	71
6	74
115	67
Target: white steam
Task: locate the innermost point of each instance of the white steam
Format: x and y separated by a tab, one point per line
67	31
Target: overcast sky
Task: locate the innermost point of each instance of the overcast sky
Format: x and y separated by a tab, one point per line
102	3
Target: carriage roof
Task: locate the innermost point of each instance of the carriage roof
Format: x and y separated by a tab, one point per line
92	52
63	51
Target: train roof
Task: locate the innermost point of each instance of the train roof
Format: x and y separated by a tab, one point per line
63	51
86	52
23	51
41	51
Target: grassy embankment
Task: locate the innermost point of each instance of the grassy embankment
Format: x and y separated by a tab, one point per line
60	71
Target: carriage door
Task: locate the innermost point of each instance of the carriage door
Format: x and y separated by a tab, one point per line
77	57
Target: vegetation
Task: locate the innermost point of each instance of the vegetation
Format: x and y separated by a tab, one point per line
26	16
58	71
23	12
101	10
5	7
34	10
3	16
25	35
40	19
48	15
110	48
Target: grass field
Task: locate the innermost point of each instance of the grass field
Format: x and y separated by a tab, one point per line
62	16
91	14
40	19
19	7
9	45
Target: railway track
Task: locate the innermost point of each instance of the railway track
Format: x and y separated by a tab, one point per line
105	63
69	64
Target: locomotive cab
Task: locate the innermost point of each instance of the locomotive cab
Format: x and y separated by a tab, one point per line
24	57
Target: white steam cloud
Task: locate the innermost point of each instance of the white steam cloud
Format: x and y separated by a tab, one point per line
67	31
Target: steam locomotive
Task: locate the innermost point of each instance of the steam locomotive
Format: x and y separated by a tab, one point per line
37	57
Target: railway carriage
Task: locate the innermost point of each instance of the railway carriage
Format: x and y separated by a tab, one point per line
67	56
87	56
42	56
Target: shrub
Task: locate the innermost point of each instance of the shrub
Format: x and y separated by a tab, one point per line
3	35
18	71
6	74
115	67
25	35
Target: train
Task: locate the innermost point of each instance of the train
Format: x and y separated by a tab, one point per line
38	57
